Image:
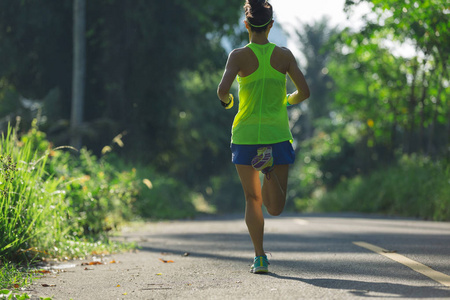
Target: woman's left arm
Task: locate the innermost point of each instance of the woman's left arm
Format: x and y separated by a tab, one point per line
231	71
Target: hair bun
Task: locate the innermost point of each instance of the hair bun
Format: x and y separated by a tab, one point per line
254	3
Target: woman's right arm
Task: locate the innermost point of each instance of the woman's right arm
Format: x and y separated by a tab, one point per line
231	71
302	92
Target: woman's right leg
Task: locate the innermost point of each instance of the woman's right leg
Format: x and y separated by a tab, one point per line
274	189
253	205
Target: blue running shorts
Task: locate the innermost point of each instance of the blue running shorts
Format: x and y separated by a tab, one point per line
283	153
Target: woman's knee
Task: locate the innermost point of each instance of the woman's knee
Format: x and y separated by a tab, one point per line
253	198
275	211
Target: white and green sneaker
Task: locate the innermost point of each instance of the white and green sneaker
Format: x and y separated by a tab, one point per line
260	265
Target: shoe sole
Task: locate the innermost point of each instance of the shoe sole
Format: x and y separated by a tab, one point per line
263	160
260	270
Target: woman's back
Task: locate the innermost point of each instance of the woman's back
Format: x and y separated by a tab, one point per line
262	117
248	62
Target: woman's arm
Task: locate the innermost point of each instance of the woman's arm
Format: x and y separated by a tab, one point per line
302	92
231	71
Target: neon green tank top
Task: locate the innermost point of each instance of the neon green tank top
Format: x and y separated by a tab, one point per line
262	116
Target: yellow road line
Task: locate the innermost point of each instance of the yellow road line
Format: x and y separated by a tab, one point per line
416	266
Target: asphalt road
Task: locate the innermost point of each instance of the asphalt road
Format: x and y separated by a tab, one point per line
312	257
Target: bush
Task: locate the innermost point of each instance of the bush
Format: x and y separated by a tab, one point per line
162	197
99	197
415	187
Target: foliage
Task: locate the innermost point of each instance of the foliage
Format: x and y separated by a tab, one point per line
13	275
133	67
41	216
403	100
416	187
162	197
385	104
31	210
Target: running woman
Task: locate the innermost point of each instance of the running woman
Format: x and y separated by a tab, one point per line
261	138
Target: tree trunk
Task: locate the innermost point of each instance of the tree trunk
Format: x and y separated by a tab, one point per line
432	148
411	109
79	71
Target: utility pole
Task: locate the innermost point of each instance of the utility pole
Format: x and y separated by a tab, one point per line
78	71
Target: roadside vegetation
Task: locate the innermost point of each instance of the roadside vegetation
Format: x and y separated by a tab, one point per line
58	203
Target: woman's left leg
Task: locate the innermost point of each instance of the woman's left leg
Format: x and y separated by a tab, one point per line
253	205
274	189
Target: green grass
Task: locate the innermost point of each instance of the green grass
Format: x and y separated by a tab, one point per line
415	187
29	207
14	276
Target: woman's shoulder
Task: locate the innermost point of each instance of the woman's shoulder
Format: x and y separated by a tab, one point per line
283	51
241	55
240	51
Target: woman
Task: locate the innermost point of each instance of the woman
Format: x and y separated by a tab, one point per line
261	139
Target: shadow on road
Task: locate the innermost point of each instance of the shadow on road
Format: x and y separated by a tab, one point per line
321	254
362	288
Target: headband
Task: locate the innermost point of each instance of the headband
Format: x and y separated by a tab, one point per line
257	26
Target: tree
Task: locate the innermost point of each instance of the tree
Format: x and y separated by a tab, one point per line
314	40
79	67
423	24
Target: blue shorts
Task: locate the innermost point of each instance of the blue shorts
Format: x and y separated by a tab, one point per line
283	153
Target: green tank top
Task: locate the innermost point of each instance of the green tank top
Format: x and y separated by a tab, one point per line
262	116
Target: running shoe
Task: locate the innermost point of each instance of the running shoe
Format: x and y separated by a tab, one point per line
260	265
263	161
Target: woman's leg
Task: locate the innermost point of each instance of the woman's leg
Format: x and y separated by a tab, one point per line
253	205
274	189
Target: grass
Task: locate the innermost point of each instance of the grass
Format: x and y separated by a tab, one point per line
14	276
29	206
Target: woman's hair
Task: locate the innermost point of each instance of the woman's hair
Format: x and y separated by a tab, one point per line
258	13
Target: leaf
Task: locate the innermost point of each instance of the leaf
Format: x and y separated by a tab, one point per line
118	285
159	274
390	251
16	286
92	263
42	271
166	261
4	292
113	262
48	285
24	296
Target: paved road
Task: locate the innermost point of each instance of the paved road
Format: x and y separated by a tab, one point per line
313	257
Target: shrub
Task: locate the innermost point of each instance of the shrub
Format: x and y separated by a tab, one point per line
415	187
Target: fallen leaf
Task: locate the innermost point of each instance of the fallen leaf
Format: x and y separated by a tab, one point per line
88	269
113	262
390	251
118	285
166	261
158	273
186	254
92	263
48	285
43	271
16	286
124	294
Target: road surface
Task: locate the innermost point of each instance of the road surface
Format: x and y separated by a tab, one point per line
312	257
